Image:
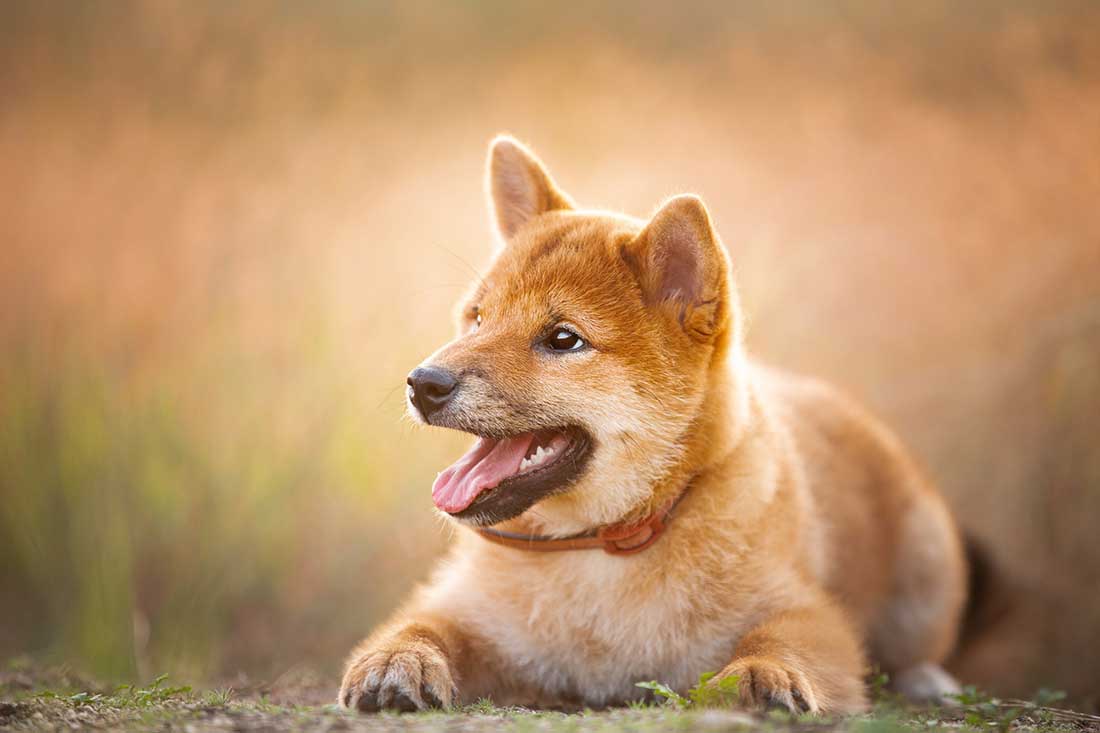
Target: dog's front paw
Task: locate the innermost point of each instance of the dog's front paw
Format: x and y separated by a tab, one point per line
765	683
404	674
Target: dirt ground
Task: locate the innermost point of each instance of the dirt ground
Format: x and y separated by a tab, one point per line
34	698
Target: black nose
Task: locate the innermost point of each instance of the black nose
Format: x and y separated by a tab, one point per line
431	389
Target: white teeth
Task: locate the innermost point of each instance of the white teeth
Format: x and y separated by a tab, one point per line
539	456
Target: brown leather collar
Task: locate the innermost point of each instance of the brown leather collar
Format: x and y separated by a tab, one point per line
614	539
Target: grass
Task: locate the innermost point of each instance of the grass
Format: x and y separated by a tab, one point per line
720	694
33	699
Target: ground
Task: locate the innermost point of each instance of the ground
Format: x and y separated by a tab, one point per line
33	698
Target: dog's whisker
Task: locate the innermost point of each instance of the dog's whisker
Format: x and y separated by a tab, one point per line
464	262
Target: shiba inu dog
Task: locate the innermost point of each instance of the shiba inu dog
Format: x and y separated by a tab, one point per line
643	501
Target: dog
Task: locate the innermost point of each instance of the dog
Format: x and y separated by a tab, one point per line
645	502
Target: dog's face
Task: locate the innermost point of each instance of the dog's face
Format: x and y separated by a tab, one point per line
582	357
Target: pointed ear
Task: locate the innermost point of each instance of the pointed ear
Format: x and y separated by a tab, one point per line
679	260
519	186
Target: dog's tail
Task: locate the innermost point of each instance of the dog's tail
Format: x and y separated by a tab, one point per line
989	650
989	596
1012	640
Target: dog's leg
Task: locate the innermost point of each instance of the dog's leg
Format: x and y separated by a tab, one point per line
805	660
927	683
405	666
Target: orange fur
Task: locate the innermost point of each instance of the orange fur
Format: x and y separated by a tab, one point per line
808	546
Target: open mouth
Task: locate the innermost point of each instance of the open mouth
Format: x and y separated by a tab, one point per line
500	478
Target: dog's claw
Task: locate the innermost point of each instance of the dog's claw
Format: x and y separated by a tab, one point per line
429	696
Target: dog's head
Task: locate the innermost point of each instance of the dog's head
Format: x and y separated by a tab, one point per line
582	358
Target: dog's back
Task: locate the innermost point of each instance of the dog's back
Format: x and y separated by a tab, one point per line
889	550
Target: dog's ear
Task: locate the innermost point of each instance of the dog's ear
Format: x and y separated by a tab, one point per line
679	262
519	186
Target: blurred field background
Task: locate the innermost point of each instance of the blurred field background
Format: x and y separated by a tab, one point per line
228	230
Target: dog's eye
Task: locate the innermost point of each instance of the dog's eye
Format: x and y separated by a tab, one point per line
564	340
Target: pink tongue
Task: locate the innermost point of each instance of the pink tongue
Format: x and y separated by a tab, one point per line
484	466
